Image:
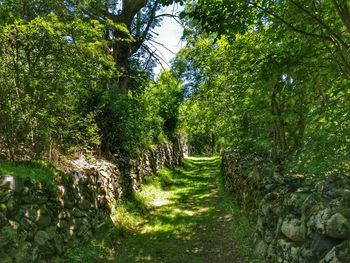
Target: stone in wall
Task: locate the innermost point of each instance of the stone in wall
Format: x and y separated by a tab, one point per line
298	220
38	224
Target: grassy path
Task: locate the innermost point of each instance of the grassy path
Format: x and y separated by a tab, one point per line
185	221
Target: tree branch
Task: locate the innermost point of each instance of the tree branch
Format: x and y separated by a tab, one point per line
130	9
162	45
150	21
155	56
343	12
291	26
332	34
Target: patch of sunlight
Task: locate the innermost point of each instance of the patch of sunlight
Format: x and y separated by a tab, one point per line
203	210
131	212
208	195
158	202
178	213
158	228
144	258
127	214
199	158
195	250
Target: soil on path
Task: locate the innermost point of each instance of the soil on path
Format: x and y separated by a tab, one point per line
188	224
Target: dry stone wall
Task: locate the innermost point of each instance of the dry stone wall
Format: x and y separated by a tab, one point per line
298	219
38	224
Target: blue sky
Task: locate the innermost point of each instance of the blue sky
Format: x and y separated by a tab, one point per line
170	33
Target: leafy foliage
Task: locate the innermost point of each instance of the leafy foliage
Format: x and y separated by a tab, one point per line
67	83
41	83
269	77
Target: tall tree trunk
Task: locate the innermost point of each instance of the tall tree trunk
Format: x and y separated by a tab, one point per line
124	48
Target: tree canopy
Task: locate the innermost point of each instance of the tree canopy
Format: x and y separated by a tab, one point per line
267	77
72	77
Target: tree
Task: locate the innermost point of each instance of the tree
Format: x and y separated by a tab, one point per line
169	92
326	21
270	78
42	83
139	18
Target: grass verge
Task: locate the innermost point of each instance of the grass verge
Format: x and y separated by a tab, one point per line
242	227
130	213
36	170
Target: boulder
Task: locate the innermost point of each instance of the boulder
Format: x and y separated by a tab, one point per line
316	222
288	251
319	244
338	226
261	249
294	229
12	183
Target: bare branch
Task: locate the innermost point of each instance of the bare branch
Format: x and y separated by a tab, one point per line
175	17
162	45
151	20
155	56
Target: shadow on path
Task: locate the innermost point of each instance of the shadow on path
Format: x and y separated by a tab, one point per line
189	226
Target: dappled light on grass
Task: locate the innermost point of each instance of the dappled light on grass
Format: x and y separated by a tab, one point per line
203	159
183	221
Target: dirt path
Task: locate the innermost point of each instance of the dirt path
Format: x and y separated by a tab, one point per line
186	224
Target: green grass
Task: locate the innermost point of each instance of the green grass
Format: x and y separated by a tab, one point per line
93	252
129	214
241	226
37	171
131	211
177	216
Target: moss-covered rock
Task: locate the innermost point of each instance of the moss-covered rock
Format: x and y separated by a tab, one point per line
338	226
294	229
